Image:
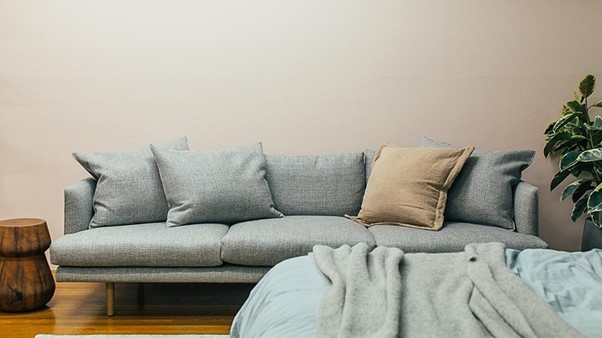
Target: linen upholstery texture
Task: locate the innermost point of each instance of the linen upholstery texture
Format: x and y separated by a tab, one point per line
368	158
483	192
225	186
526	217
525	201
151	244
226	273
79	207
408	186
331	185
267	242
453	237
129	188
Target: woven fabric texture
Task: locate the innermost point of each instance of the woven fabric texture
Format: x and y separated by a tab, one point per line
408	186
151	244
317	185
452	237
270	241
483	192
225	186
129	188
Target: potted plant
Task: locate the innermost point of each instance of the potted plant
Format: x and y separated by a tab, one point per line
577	138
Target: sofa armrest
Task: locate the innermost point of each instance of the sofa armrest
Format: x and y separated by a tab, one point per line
526	208
78	205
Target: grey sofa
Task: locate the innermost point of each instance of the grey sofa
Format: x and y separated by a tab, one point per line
245	251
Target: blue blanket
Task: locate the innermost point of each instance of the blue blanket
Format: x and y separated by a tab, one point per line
285	302
571	282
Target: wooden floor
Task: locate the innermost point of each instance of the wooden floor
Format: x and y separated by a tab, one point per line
79	308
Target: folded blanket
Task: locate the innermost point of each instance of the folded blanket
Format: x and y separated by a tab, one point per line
465	294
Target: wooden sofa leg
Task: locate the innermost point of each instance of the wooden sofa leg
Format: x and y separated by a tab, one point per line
110	299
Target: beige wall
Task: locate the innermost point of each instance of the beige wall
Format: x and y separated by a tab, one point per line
303	77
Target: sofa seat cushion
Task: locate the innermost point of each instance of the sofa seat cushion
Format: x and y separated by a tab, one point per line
147	244
452	238
269	241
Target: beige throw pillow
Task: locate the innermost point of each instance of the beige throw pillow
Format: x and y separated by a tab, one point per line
408	186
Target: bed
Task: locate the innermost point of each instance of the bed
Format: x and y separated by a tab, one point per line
486	290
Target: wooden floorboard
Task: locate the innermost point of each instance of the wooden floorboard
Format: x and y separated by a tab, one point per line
79	308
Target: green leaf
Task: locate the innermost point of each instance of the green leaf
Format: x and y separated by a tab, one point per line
587	85
597	104
558	178
594	202
572	144
591	155
597	125
571	188
549	128
564	120
575	107
580	191
597	219
569	160
549	147
579	208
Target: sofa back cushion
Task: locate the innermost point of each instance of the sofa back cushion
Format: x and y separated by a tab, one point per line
330	185
408	186
129	188
221	186
483	192
368	159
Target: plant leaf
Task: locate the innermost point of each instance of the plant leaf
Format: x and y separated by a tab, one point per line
594	202
587	85
572	144
579	208
597	125
569	160
549	147
558	178
549	128
571	188
597	219
597	104
575	107
564	120
590	155
579	192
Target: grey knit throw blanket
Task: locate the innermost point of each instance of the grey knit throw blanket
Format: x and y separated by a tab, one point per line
386	293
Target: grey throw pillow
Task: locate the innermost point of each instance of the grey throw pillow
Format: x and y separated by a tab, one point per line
483	191
225	186
129	188
329	185
368	159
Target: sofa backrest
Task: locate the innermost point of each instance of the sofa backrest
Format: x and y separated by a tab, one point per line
330	185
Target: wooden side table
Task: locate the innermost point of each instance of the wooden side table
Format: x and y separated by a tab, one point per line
26	282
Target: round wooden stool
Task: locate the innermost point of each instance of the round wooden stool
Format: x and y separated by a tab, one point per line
26	282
